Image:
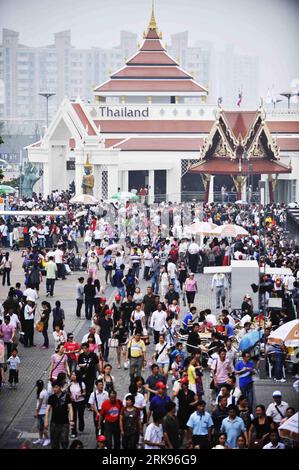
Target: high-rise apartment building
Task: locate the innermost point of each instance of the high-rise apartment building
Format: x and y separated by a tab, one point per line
60	68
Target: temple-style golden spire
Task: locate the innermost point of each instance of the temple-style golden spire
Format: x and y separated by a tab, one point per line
87	163
152	24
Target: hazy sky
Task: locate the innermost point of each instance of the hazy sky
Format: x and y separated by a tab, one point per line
266	28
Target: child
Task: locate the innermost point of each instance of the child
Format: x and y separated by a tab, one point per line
101	442
13	362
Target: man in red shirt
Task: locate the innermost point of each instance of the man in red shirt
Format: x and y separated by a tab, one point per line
71	348
110	412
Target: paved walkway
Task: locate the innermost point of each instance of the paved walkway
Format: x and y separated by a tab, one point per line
17	422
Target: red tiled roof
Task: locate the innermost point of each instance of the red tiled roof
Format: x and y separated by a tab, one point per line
83	118
240	121
161	144
111	142
151	85
223	166
283	126
288	144
152	45
161	127
151	58
151	72
152	34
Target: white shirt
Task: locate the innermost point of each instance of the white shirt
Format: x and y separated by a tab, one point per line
49	254
163	357
279	445
148	259
245	319
193	248
139	402
58	254
171	269
153	433
97	234
96	337
30	294
98	399
137	315
14	321
274	414
158	320
28	313
44	397
59	338
211	318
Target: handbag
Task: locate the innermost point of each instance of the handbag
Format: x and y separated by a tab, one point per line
39	326
113	343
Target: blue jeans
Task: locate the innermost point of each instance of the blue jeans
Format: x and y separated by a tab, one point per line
248	392
220	293
278	366
155	284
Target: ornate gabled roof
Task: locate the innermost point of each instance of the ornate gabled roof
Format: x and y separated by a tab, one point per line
240	143
151	69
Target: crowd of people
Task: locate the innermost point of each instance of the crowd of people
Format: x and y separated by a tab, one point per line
190	385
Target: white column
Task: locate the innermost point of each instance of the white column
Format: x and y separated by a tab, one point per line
112	180
125	181
79	172
151	184
46	180
211	190
173	184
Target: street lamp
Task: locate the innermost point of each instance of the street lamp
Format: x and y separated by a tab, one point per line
47	95
288	95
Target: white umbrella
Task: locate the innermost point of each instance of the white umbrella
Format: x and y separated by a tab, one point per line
85	199
290	428
113	247
287	334
204	228
230	230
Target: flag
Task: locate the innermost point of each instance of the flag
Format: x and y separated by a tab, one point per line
240	96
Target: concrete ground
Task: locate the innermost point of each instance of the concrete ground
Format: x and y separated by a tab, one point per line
17	422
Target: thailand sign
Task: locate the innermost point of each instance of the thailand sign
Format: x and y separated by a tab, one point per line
123	112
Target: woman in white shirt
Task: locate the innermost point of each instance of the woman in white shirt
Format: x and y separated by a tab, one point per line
138	296
40	412
78	391
138	315
59	336
161	356
164	283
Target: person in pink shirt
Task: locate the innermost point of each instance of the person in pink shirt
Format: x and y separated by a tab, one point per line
59	363
221	370
7	333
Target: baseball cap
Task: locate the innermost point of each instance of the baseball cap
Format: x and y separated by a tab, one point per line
117	297
108	312
103	299
101	438
276	393
160	385
185	380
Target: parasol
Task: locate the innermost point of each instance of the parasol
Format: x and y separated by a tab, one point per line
290	428
287	334
250	339
125	196
204	228
230	230
85	199
5	189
